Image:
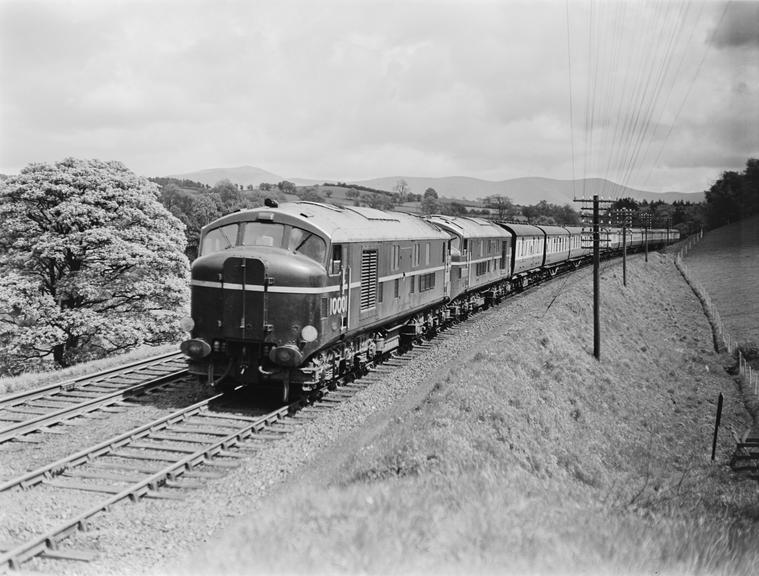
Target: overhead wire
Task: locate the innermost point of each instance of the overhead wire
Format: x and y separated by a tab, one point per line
692	83
662	76
571	107
634	62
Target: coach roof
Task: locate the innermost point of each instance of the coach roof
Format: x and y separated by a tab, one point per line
343	224
468	227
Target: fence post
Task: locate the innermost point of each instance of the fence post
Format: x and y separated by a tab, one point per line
716	424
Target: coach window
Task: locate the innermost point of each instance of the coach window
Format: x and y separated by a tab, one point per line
337	259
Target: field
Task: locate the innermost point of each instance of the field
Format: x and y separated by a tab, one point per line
726	263
526	455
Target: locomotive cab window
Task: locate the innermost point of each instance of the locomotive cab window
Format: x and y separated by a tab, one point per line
455	243
219	239
263	234
308	244
336	262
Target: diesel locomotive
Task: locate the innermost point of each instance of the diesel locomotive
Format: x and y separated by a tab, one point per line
292	296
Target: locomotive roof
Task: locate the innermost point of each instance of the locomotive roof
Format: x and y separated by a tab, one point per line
469	227
344	224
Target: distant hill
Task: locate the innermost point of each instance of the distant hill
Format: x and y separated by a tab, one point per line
245	175
524	191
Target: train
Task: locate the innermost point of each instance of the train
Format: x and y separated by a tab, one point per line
290	297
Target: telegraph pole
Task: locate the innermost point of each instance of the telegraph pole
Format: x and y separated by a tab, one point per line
596	239
645	219
668	221
596	281
623	216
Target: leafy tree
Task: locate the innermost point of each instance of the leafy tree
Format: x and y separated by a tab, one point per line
551	214
90	264
229	197
455	209
503	204
378	201
309	194
194	210
734	196
430	201
401	188
286	187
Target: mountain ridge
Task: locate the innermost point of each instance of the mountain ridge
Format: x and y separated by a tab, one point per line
524	190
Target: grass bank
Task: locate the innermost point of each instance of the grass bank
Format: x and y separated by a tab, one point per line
529	456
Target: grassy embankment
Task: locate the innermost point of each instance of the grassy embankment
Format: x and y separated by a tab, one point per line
528	455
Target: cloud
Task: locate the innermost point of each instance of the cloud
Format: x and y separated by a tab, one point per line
740	26
343	89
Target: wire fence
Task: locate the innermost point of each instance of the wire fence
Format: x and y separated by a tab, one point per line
723	339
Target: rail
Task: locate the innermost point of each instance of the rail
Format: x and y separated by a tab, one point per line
88	379
35	410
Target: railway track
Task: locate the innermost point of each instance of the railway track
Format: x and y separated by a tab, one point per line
161	459
39	409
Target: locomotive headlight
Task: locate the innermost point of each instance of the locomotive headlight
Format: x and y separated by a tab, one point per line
187	324
309	333
195	348
287	355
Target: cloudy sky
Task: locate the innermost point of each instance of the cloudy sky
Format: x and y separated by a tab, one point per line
658	95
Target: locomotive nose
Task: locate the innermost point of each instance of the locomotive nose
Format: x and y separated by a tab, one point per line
244	283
